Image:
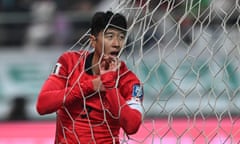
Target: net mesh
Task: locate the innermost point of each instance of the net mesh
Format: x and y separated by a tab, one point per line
186	53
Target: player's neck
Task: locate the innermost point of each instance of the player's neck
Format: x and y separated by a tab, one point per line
95	65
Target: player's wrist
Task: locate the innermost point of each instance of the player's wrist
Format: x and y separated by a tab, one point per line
109	79
83	88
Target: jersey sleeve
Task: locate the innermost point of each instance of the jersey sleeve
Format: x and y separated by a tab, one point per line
129	118
126	101
131	89
55	91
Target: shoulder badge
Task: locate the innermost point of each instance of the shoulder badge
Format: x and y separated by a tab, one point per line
56	68
137	91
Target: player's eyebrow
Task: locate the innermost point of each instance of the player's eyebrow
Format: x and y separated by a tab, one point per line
112	31
108	32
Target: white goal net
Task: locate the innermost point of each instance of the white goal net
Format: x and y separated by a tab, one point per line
187	54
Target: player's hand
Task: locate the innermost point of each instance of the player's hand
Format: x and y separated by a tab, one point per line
108	70
97	84
109	63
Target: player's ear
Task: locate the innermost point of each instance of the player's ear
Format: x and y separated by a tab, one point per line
92	41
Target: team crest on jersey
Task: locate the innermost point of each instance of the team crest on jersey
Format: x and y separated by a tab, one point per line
57	68
137	92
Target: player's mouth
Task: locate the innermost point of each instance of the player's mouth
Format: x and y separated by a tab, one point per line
115	53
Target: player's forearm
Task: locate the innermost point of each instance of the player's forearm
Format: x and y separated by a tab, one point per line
54	94
51	96
130	118
49	101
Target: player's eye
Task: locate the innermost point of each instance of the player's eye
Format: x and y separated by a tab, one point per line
109	36
121	37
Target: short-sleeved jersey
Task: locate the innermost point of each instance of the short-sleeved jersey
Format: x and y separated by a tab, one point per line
87	119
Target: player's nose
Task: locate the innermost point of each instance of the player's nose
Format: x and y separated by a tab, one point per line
116	42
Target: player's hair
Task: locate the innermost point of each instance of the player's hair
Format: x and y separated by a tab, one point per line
104	20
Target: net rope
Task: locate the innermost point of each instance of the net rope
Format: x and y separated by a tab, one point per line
186	53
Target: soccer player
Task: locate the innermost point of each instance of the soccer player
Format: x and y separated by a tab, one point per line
94	94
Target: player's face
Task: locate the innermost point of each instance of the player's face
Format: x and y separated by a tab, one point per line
110	42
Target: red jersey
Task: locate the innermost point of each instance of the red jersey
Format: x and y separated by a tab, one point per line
85	115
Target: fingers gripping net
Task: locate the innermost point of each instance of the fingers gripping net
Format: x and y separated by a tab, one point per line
186	53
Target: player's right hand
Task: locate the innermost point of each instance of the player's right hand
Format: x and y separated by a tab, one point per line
97	84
